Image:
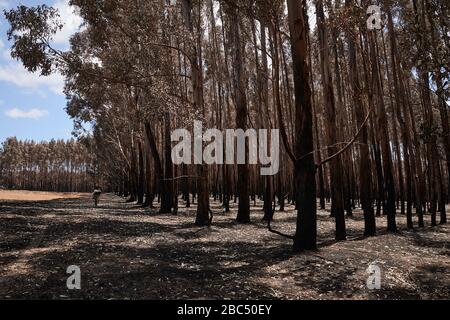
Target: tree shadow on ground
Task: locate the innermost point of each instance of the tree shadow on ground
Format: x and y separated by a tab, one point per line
433	280
427	238
189	270
175	260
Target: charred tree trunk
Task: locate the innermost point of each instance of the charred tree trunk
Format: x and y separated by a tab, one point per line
305	170
195	57
365	176
243	215
336	168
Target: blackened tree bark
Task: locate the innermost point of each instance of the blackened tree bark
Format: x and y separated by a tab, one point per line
195	57
243	215
365	176
264	89
336	169
378	96
403	119
167	203
305	170
141	180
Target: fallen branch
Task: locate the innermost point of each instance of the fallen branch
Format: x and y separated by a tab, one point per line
183	177
277	232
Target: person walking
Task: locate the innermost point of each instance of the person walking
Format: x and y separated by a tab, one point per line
96	195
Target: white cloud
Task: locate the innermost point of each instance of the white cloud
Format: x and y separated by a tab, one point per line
6	54
34	114
4	4
16	74
72	21
68	16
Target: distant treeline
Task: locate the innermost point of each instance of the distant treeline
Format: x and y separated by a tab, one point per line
57	165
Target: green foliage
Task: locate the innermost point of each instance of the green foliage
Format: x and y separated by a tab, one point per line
31	30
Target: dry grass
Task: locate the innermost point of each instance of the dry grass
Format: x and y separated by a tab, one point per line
23	195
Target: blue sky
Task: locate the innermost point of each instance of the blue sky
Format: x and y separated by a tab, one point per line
32	107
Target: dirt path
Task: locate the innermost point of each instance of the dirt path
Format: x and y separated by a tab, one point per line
126	252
